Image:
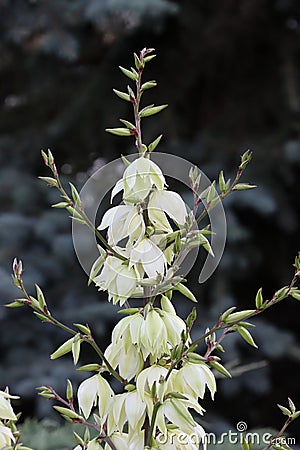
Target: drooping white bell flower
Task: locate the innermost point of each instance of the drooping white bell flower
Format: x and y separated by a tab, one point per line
92	390
153	335
6	436
138	180
154	374
123	441
150	256
193	378
123	221
6	411
118	279
127	407
175	410
168	201
128	359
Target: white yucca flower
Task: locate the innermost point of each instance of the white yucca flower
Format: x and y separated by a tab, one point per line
123	352
153	335
138	180
129	359
123	441
153	375
150	257
127	408
6	436
123	221
6	411
175	411
118	279
193	378
92	391
171	203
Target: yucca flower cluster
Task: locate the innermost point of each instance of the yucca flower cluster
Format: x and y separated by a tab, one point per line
139	231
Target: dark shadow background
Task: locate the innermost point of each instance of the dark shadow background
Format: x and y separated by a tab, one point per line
230	73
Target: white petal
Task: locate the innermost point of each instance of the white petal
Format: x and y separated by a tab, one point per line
134	408
87	395
171	203
118	188
6	411
150	256
106	395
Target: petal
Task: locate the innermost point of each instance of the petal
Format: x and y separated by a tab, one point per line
87	395
171	203
105	394
118	188
135	408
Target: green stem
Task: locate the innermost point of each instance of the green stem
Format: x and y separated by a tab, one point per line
279	434
222	196
152	424
225	326
69	330
99	352
137	117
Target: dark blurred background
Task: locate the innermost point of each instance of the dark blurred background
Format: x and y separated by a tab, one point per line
229	71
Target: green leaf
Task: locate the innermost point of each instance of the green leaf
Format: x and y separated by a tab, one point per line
211	192
185	291
227	313
89	367
67	412
240	315
295	415
137	61
129	73
148	85
151	110
119	131
292	405
154	144
76	349
84	329
243	187
222	182
284	410
69	390
296	295
148	58
221	369
259	299
15	304
122	95
75	194
245	444
60	205
42	317
50	181
66	347
128	311
128	124
40	297
246	336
